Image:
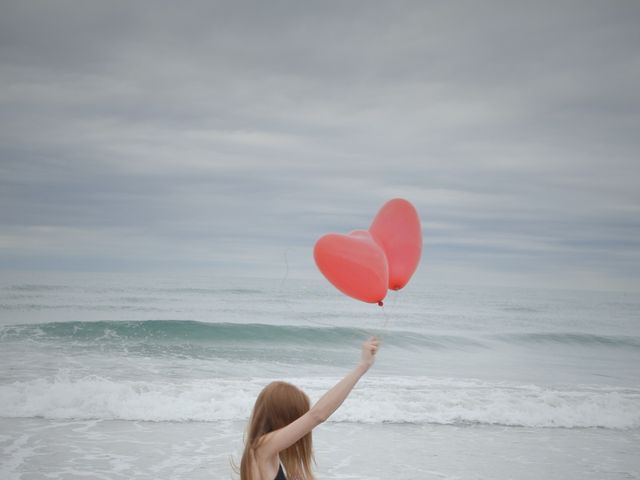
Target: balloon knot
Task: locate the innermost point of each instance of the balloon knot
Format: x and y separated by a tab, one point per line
380	303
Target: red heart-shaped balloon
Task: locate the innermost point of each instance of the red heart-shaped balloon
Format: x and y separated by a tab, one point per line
355	264
397	229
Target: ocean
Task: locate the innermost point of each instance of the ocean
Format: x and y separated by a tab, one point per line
118	376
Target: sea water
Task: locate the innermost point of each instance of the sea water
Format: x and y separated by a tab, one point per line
121	376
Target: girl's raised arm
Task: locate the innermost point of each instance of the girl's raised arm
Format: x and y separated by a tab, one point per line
274	442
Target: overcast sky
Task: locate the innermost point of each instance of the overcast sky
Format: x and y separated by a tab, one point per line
220	136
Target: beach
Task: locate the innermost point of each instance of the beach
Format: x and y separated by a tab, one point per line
145	377
116	449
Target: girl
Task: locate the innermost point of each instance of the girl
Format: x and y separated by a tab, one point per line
280	428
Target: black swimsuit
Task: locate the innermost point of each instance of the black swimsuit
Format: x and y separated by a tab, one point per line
280	475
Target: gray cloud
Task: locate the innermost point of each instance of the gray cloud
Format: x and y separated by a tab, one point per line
221	134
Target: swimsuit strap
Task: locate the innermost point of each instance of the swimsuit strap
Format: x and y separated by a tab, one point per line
280	475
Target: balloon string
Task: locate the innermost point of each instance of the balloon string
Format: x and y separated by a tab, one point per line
283	298
386	321
395	299
388	315
286	271
386	318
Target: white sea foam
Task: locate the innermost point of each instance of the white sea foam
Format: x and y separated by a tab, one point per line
375	400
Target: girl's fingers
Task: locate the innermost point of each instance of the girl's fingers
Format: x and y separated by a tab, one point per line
372	344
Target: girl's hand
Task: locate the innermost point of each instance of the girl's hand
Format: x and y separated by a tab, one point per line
369	349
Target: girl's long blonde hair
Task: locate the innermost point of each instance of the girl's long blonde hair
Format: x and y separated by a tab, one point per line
278	405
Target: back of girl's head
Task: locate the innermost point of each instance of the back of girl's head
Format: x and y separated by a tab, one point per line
279	404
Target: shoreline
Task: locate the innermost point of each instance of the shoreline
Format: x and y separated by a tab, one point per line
119	449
